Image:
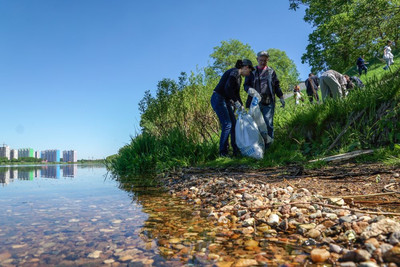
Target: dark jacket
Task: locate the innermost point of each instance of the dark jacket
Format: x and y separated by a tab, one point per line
360	62
229	85
266	84
310	83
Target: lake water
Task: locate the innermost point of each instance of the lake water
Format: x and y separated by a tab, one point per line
73	215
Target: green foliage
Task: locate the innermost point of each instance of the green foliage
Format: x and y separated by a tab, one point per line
226	55
285	69
344	30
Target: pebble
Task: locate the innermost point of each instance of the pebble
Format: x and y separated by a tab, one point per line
383	226
394	238
319	255
330	216
317	214
313	233
335	248
348	264
273	219
248	222
4	256
246	262
348	218
385	247
368	264
95	254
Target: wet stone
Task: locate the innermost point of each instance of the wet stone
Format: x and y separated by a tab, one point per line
368	264
348	218
319	255
385	247
314	233
348	264
394	238
335	248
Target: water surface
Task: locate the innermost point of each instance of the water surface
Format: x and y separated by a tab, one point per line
73	215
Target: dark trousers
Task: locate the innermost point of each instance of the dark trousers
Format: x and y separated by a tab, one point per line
312	96
361	68
227	121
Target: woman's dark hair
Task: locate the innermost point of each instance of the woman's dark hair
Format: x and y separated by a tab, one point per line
349	85
239	64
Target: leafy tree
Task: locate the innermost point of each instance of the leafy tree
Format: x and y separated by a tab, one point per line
344	30
226	55
284	67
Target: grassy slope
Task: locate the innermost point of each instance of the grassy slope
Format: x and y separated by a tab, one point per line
325	123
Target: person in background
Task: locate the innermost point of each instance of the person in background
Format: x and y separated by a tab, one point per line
226	98
264	81
358	84
361	65
312	84
334	84
387	55
298	96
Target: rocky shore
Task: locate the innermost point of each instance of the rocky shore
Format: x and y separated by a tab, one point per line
293	207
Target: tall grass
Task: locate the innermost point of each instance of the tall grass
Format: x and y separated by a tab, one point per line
148	154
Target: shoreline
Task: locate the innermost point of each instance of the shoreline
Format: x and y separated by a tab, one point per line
290	205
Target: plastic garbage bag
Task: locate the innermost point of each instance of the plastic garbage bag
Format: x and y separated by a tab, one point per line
248	138
256	114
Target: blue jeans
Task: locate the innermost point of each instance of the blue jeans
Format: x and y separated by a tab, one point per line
227	120
268	114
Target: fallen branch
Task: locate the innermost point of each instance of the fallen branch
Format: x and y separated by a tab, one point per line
362	196
344	156
377	202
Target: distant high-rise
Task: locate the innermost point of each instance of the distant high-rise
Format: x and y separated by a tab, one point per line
5	151
70	156
25	153
13	154
51	155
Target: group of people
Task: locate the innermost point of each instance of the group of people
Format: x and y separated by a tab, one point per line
226	97
387	57
263	79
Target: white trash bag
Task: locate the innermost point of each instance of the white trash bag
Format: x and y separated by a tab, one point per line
256	114
248	138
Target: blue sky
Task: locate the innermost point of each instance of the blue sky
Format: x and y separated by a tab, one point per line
72	72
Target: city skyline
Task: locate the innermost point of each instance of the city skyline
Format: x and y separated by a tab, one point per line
50	155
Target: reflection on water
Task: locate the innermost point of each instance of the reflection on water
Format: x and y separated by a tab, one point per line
8	174
91	220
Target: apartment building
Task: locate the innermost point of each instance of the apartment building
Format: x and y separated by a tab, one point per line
70	156
5	151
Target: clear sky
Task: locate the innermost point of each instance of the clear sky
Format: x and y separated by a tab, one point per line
73	72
